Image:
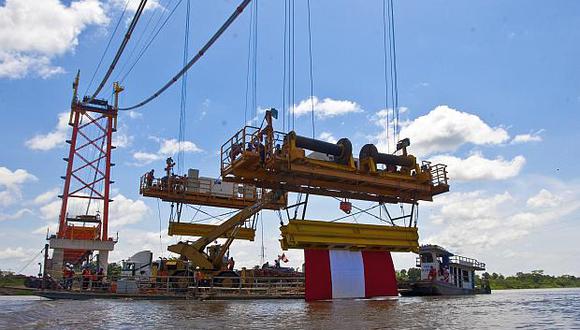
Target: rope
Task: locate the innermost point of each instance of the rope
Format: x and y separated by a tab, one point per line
138	42
107	48
159	216
352	214
284	67
386	73
311	74
394	59
201	52
293	90
151	39
183	101
121	48
249	66
30	261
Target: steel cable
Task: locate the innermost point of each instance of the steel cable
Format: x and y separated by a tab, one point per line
201	52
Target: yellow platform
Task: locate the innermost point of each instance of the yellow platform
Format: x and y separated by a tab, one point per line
198	229
265	158
204	191
308	234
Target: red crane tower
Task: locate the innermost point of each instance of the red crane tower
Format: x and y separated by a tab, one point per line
84	213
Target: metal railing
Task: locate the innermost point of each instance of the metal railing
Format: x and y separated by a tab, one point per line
205	186
460	260
250	286
248	141
216	286
438	173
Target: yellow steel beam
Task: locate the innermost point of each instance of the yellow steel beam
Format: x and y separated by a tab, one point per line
303	234
198	229
298	183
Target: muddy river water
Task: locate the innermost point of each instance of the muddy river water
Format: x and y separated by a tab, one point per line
541	309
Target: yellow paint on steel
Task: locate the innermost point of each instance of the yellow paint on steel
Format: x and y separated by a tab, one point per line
198	229
309	234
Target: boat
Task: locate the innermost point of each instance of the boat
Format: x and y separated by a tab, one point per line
444	274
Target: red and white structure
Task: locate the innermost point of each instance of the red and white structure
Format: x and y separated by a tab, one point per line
84	214
333	274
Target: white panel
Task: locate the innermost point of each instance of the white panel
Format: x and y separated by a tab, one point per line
347	273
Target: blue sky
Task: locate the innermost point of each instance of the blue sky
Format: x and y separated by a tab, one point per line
490	87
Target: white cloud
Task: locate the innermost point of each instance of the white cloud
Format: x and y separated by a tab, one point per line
544	199
19	214
33	33
51	227
16	253
46	196
122	140
125	211
477	167
172	146
12	181
134	114
53	139
328	137
146	157
444	129
326	108
524	138
51	210
477	220
167	148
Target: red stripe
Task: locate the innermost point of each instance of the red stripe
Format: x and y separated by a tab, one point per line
318	283
380	279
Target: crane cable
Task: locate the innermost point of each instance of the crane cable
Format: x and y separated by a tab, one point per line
386	73
394	63
201	52
183	100
311	71
121	48
108	45
390	72
141	35
152	36
249	66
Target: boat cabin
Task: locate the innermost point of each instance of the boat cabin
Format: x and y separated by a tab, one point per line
440	265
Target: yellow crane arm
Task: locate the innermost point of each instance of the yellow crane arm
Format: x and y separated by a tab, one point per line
194	251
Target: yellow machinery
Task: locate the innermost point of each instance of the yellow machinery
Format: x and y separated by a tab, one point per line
269	159
307	234
274	160
204	191
195	190
199	229
213	260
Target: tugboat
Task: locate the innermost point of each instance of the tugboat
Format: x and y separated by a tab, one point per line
443	273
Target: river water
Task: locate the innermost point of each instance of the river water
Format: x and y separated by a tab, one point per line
539	309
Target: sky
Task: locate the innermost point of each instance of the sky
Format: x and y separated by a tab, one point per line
490	88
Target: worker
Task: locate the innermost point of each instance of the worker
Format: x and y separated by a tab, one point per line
86	275
276	263
262	151
197	276
235	151
231	263
149	177
100	277
169	164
